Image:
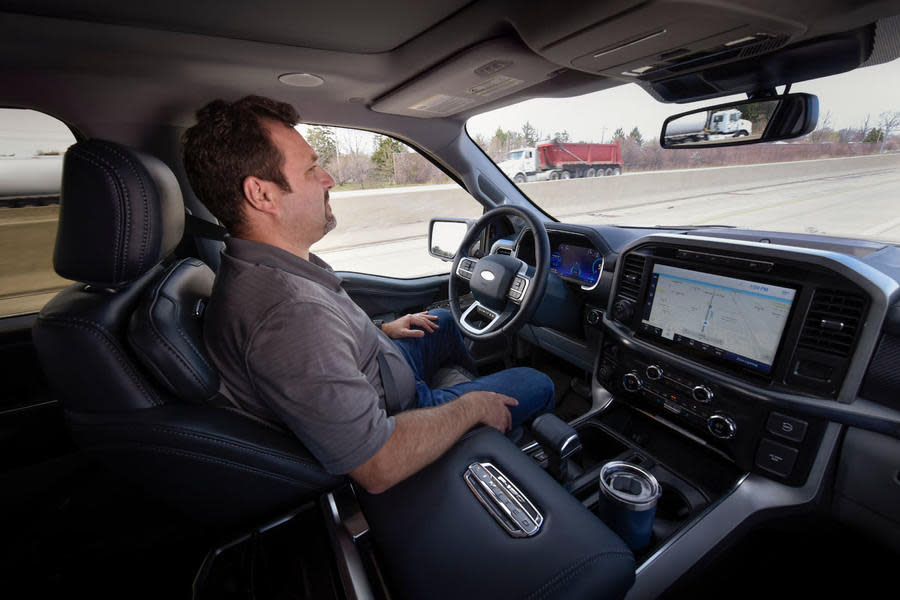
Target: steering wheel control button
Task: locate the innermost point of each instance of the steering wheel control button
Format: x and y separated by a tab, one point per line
776	458
503	500
466	268
517	289
786	427
631	382
722	426
702	394
653	372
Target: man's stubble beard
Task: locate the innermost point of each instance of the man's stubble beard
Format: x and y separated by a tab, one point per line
330	220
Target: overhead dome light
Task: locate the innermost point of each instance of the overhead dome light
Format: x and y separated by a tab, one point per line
301	80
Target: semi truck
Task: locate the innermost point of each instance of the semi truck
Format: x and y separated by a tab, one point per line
560	160
709	125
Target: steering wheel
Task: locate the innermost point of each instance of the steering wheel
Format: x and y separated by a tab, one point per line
506	289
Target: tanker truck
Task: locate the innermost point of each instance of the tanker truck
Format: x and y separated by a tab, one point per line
704	126
559	160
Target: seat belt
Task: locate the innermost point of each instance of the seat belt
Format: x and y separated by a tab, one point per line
391	394
202	228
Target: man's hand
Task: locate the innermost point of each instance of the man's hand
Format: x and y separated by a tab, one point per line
492	408
403	327
422	435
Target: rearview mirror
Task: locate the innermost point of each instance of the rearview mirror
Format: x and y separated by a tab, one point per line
749	122
445	236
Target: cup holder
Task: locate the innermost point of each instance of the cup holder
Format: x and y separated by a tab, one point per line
672	505
672	510
597	447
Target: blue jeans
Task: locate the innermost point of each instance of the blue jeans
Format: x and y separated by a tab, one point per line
533	389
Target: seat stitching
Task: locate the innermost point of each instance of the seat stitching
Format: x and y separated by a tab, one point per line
181	331
153	329
130	161
97	331
82	154
219	441
209	459
124	235
569	572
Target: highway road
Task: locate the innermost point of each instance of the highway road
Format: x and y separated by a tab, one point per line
845	197
862	203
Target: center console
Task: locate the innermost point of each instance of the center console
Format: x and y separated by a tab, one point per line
730	345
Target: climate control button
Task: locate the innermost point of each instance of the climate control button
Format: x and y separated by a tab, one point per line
631	382
653	372
722	426
701	393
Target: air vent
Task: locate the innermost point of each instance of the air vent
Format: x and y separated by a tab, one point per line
833	322
504	250
632	273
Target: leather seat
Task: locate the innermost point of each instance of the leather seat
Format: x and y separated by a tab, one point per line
122	350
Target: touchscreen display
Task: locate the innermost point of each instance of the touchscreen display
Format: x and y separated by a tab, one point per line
735	319
576	262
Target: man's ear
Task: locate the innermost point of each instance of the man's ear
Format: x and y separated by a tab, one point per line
260	194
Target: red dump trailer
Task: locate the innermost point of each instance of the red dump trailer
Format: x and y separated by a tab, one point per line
561	160
579	160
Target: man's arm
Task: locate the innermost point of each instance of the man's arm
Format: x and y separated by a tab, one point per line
421	436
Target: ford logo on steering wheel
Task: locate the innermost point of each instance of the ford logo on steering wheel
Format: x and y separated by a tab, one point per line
487	275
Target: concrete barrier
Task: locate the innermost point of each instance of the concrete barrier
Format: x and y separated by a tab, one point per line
372	217
578	196
39	176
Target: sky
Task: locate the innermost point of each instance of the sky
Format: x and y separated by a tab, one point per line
594	117
24	133
847	97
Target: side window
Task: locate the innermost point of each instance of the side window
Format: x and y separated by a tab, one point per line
32	145
384	196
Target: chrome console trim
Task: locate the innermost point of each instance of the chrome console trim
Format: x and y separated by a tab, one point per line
752	495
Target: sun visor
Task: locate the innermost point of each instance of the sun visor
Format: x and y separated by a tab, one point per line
476	76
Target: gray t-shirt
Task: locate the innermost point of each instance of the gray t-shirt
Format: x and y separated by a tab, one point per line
293	347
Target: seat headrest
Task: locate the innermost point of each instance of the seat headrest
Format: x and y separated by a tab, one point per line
121	212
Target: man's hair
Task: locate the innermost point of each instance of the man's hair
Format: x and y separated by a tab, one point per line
230	143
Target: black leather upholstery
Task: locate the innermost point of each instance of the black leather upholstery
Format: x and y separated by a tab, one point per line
444	544
120	213
148	407
166	332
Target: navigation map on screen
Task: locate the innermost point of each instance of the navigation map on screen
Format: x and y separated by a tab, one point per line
735	319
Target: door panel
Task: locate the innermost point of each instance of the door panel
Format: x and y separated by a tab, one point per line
385	296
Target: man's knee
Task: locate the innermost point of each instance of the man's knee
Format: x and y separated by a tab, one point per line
540	384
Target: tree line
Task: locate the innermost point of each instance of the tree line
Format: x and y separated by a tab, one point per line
639	153
362	160
357	159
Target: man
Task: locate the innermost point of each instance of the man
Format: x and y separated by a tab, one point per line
291	345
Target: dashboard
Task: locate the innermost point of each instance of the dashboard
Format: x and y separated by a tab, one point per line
749	343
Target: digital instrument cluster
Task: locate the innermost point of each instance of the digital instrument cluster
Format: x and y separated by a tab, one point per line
577	263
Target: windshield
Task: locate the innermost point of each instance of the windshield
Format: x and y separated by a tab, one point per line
598	161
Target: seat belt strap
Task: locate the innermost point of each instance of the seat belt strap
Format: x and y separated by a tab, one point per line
202	228
391	395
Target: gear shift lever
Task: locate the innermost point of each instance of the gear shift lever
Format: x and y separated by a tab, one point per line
559	440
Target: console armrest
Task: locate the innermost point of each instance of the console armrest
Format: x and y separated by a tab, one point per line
435	539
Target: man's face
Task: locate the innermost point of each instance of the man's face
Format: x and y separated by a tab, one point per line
305	211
